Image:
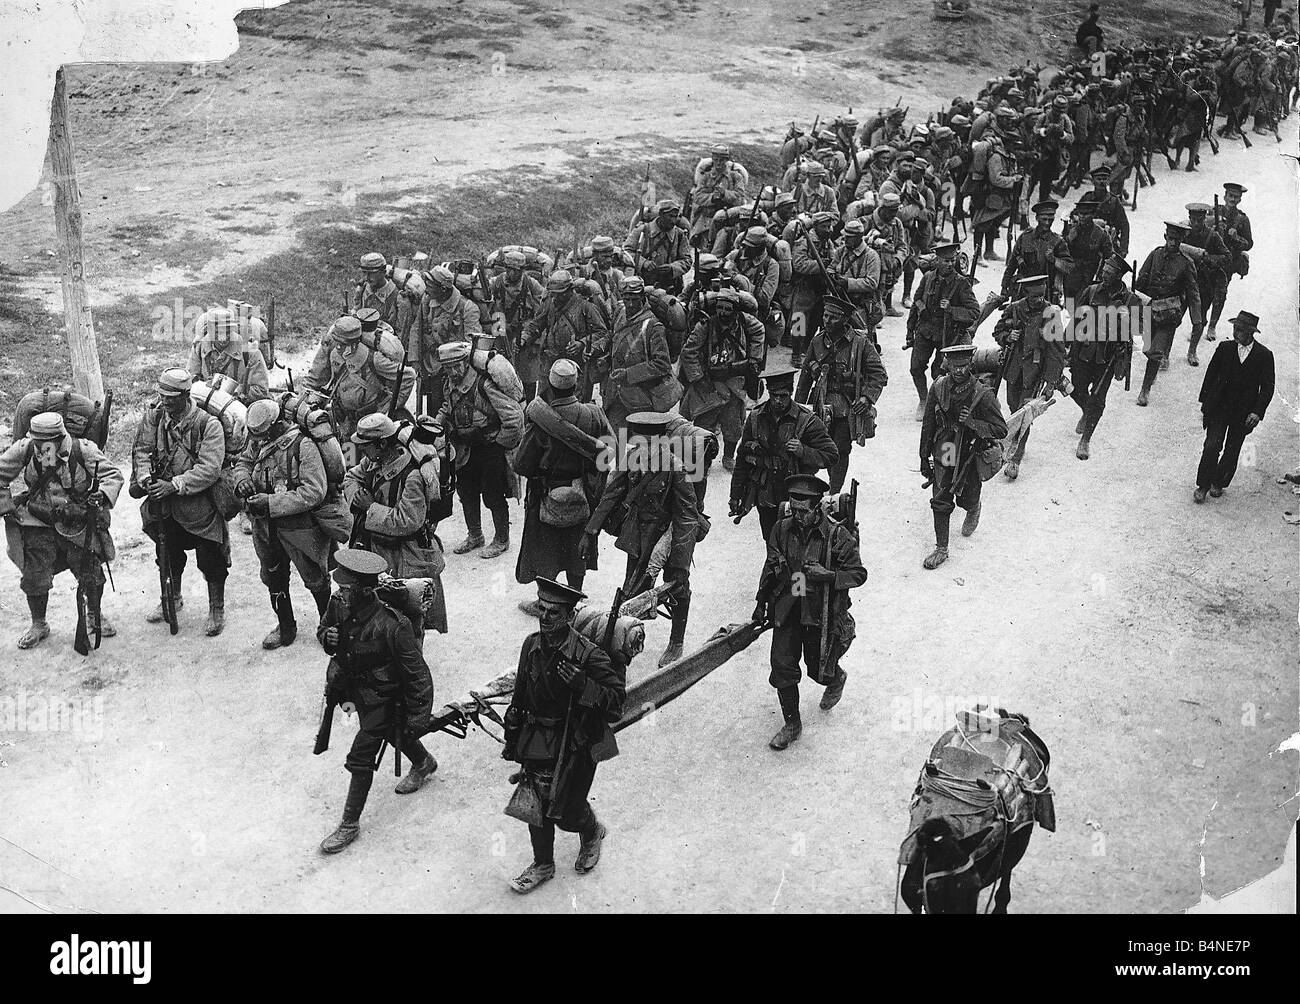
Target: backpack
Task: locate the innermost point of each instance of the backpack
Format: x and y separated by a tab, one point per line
669	311
316	425
83	418
222	405
421	439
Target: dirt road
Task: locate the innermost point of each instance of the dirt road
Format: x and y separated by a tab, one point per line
1151	642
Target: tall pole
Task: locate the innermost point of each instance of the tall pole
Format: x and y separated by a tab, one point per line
86	375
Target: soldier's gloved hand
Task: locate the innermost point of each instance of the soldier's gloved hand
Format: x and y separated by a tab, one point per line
927	470
332	636
515	778
97	499
362	501
794	448
571	675
963	416
815	572
245	488
159	490
759	616
259	505
587	546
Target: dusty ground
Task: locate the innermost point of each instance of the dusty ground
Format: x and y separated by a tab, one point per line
1152	642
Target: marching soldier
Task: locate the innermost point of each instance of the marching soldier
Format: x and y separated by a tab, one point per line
721	354
660	248
809	284
1040	251
282	477
390	491
758	267
942	313
993	182
1168	276
1106	356
376	669
176	465
378	292
781	437
568	327
1213	260
842	377
641	374
353	375
559	455
857	266
1087	246
815	195
484	418
888	238
1233	225
603	271
1029	333
557	728
518	297
446	315
1110	208
720	183
60	519
812	563
219	350
961	416
655	494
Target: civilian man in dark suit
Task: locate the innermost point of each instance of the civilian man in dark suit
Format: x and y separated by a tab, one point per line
1237	389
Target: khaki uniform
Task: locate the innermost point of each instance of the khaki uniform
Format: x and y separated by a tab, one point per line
246	367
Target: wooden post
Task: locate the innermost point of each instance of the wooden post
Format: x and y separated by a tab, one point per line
86	375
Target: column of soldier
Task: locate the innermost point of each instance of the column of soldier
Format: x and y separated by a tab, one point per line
504	369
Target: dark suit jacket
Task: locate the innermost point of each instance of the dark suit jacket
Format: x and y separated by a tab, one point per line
1232	390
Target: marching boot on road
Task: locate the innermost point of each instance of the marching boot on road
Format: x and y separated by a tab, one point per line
176	465
282	477
60	519
808	554
377	670
557	728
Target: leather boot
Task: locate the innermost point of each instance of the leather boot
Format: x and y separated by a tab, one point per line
793	727
972	520
1148	380
216	622
920	411
834	691
532	877
589	850
681	612
940	553
1081	425
156	615
350	827
501	537
473	531
286	631
416	776
1082	451
39	630
1209	332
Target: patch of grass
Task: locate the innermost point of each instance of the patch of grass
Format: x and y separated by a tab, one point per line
254	228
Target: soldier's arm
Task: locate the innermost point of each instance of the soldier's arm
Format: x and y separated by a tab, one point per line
1192	293
770	576
11	465
511	413
987	420
603	688
403	519
679	258
929	426
743	472
771	280
819	448
311	483
259	380
207	467
354	480
755	340
110	478
417	683
195	362
535	326
615	489
143	445
874	375
803	390
1063	257
1245	238
685	511
1143	280
801	261
318	375
866	284
847	562
691	365
243	471
470	317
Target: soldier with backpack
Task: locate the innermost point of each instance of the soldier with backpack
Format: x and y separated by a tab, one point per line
176	463
483	415
282	476
219	350
60	518
354	373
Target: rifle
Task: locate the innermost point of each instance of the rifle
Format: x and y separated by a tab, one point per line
857	318
331	700
270	332
168	587
81	641
1015	214
347	303
851	525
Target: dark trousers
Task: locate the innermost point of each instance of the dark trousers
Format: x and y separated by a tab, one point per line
484	475
789	642
46	553
1219	456
1043	177
1092	382
376	728
208	554
923	351
767	515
